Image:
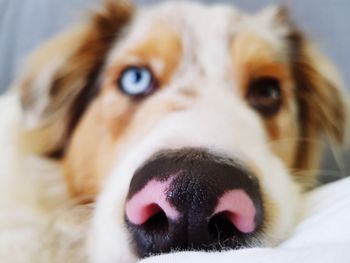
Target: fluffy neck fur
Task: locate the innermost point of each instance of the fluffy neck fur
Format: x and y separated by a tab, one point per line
38	223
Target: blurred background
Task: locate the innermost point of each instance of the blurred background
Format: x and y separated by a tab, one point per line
24	24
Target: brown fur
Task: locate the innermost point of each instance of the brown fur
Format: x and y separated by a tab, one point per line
321	107
87	116
312	104
74	78
113	127
254	57
86	170
162	44
87	160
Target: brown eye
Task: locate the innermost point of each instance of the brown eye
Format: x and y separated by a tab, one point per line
265	95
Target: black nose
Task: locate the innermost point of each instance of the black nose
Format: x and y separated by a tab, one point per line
191	199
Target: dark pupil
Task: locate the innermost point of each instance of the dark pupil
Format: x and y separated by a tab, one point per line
265	95
268	88
269	92
137	75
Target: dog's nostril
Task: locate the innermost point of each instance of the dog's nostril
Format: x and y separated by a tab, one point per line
239	209
221	227
149	211
150	204
157	220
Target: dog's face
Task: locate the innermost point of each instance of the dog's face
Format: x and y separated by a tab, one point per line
188	124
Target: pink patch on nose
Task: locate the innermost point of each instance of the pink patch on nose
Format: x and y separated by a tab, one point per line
239	209
150	200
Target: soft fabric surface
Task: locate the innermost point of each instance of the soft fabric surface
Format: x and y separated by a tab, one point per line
322	236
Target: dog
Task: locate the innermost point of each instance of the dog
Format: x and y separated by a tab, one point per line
169	128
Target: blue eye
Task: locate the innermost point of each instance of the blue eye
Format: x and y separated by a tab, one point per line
136	81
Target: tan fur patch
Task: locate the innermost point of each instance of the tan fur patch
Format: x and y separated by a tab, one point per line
81	53
110	115
162	44
92	146
253	57
161	51
311	101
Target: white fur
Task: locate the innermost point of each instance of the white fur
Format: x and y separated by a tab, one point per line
232	130
216	119
38	223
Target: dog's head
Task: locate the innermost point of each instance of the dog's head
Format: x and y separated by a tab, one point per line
192	125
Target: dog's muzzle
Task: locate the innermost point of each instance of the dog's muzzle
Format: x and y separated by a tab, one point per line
191	199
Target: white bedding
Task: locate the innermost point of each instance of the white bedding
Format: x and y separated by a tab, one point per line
323	236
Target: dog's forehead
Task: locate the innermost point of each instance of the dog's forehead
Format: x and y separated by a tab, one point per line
205	33
205	30
195	18
211	19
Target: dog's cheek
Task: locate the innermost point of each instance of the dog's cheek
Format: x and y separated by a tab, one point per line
94	146
109	240
86	156
282	132
281	196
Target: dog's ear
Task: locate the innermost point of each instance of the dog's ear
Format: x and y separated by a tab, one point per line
322	102
61	78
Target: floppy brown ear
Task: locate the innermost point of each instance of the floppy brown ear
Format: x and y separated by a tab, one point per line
61	78
322	102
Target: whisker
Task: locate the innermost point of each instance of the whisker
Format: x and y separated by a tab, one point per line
322	176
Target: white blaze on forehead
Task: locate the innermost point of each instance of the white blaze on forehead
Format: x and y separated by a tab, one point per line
205	33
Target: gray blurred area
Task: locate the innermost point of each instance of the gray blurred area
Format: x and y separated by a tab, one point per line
24	24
